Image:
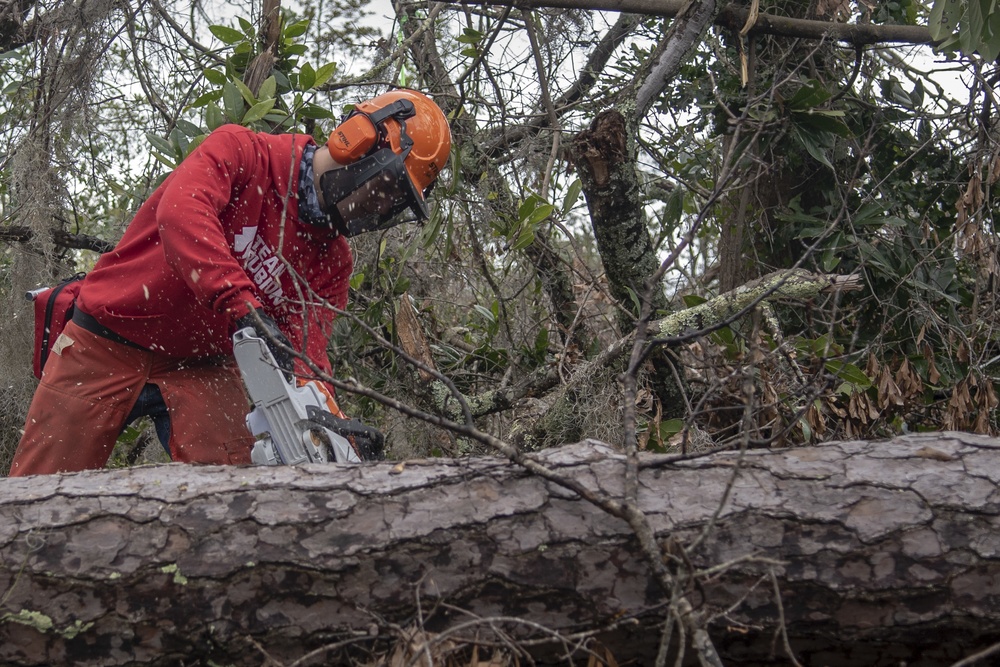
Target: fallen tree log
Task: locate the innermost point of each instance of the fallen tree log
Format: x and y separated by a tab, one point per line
884	552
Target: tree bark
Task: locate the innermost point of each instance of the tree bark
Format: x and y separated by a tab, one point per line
882	551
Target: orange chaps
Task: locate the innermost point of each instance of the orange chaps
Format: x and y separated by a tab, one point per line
90	385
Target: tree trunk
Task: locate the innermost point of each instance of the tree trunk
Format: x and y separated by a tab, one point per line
884	553
605	158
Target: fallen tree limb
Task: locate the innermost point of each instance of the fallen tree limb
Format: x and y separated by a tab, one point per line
688	324
797	284
691	322
884	549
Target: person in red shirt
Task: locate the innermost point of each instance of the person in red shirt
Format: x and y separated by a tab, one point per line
249	230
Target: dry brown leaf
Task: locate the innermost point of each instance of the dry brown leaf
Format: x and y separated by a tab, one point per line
873	412
833	406
858	408
908	380
600	656
834	9
888	390
814	418
991	397
933	376
411	336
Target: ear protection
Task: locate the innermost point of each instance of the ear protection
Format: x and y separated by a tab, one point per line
353	139
363	131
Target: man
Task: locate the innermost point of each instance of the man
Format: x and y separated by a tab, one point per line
249	230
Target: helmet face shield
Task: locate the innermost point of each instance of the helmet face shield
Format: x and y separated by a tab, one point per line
392	149
372	193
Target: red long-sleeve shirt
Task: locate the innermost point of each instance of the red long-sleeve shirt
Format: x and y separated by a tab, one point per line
221	235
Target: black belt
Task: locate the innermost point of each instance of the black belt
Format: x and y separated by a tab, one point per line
87	321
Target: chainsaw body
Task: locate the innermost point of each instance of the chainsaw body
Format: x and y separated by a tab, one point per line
287	420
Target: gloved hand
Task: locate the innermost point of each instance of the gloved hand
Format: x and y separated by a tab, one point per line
276	341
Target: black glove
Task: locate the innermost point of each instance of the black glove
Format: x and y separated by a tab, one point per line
276	341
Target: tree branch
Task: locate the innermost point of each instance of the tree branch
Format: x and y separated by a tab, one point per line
61	238
735	17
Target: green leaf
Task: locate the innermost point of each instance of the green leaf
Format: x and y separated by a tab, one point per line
848	373
297	29
917	95
214	118
524	239
267	89
195	143
258	111
533	210
470	36
484	312
541	344
215	77
232	101
635	300
944	18
896	93
324	73
831	258
188	128
813	147
202	100
967	40
823	121
226	34
572	195
160	144
307	77
540	213
179	141
670	427
691	300
976	22
247	94
806	430
990	47
812	94
314	111
284	85
169	163
280	121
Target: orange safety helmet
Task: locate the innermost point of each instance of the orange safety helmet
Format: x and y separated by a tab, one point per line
392	149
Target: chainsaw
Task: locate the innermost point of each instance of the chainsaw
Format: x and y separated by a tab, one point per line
297	424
